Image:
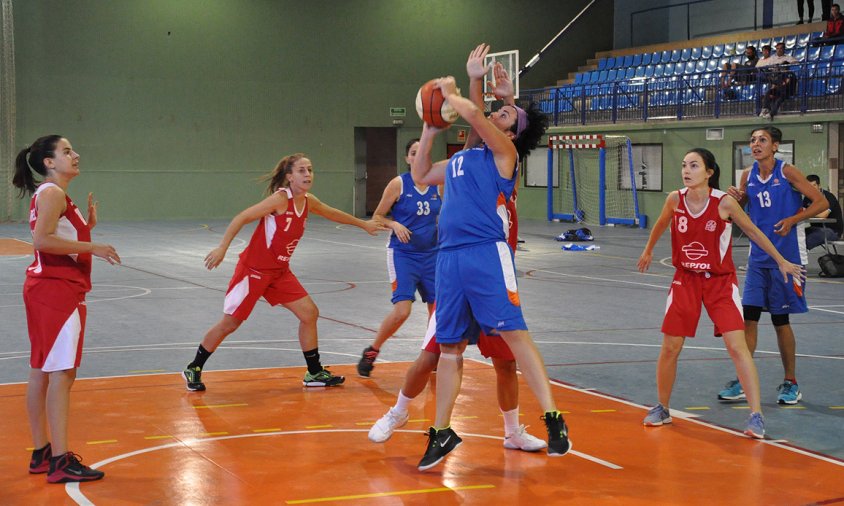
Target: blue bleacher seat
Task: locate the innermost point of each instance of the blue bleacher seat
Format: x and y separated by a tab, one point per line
717	51
675	55
700	66
602	64
602	76
756	44
611	75
594	76
838	55
628	61
827	52
637	60
631	71
656	58
690	67
640	71
685	54
658	70
695	54
813	53
730	48
608	63
706	52
646	58
777	40
764	42
679	68
803	39
669	69
666	57
817	35
740	47
711	64
799	53
649	70
578	78
790	41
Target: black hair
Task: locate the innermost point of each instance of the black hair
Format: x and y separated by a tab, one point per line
813	178
709	163
409	145
766	46
774	132
43	147
753	49
532	134
277	177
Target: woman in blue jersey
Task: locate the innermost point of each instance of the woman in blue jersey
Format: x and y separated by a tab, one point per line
411	252
773	192
475	273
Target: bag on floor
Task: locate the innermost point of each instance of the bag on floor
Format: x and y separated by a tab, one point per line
832	265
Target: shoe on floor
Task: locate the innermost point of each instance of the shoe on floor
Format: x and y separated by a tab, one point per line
789	393
440	444
732	392
324	378
367	362
755	426
657	416
40	461
193	379
67	468
383	429
558	434
521	440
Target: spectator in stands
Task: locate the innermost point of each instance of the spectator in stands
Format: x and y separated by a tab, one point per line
741	73
782	83
766	57
780	57
818	233
835	24
811	10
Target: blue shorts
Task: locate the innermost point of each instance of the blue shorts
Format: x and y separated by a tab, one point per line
480	282
765	288
410	272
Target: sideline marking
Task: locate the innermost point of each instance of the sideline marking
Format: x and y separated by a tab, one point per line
388	494
102	441
214	406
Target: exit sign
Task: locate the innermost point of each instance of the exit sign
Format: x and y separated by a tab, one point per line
398	112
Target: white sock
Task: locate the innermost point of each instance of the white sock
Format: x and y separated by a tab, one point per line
511	421
402	403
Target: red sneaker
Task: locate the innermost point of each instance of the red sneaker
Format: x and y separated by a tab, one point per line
68	468
40	461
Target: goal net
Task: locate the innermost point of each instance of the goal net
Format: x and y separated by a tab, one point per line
594	174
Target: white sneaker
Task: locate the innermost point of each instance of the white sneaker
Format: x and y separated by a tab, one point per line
521	440
386	425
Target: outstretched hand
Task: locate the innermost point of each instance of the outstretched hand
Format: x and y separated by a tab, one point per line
475	63
372	227
503	85
106	252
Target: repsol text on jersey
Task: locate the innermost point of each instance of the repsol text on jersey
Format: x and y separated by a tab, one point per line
697	266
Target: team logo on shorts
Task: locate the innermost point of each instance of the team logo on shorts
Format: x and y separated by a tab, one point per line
710	226
695	251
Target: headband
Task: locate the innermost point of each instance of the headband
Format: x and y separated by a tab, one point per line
521	121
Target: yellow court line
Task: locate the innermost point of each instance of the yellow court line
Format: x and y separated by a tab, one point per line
792	407
210	434
836	407
463	417
211	406
319	426
741	407
148	370
102	441
603	411
388	494
266	430
697	408
420	420
158	437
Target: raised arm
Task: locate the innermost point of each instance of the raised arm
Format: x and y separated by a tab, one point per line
318	207
422	169
730	208
800	183
277	202
476	70
658	229
389	197
503	149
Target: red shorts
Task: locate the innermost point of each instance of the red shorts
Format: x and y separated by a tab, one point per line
248	285
489	346
55	317
719	294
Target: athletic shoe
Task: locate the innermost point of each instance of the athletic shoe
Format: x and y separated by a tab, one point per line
68	468
521	440
755	426
558	434
367	362
657	416
789	393
40	461
193	379
324	378
440	444
732	392
386	425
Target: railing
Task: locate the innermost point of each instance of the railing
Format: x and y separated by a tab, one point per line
690	95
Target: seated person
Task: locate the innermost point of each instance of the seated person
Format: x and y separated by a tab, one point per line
782	83
818	232
779	58
741	73
766	59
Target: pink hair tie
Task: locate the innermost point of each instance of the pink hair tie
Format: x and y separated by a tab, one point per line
521	121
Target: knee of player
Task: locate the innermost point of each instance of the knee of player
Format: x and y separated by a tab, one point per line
504	367
779	320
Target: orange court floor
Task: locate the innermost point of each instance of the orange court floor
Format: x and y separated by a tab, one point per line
258	437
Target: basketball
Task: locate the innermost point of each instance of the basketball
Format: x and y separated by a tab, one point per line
432	107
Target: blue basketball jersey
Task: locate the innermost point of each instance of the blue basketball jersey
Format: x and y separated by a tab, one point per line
475	196
418	211
768	202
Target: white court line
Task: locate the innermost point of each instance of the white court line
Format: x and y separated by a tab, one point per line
580	276
74	492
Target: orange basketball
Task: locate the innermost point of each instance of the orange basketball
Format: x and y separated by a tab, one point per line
432	107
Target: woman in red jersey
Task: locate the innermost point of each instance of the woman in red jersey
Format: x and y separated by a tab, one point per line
701	218
54	297
263	269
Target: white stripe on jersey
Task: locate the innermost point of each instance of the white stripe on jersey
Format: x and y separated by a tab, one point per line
725	240
235	296
391	266
431	331
62	355
506	259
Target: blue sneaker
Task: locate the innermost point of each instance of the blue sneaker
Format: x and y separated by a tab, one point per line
789	393
755	426
657	416
732	392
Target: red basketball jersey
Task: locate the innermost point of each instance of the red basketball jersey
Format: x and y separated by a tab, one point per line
75	268
702	242
276	237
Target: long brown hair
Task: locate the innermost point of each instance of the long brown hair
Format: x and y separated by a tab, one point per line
277	178
31	160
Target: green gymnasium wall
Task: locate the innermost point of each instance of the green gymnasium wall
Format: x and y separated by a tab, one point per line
178	106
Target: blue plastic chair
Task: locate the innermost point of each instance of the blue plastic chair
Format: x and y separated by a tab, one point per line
803	39
675	55
631	72
656	58
799	53
666	57
646	58
659	69
611	75
578	78
602	76
817	35
813	53
679	68
711	64
628	60
669	69
637	60
717	51
594	76
838	55
640	71
730	48
827	52
706	52
777	40
690	67
695	54
790	41
649	71
765	42
740	47
602	64
685	54
700	66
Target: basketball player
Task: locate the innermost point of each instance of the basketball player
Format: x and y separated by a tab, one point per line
411	252
478	182
263	269
773	191
701	218
54	297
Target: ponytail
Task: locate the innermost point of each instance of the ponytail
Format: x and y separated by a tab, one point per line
277	178
32	159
